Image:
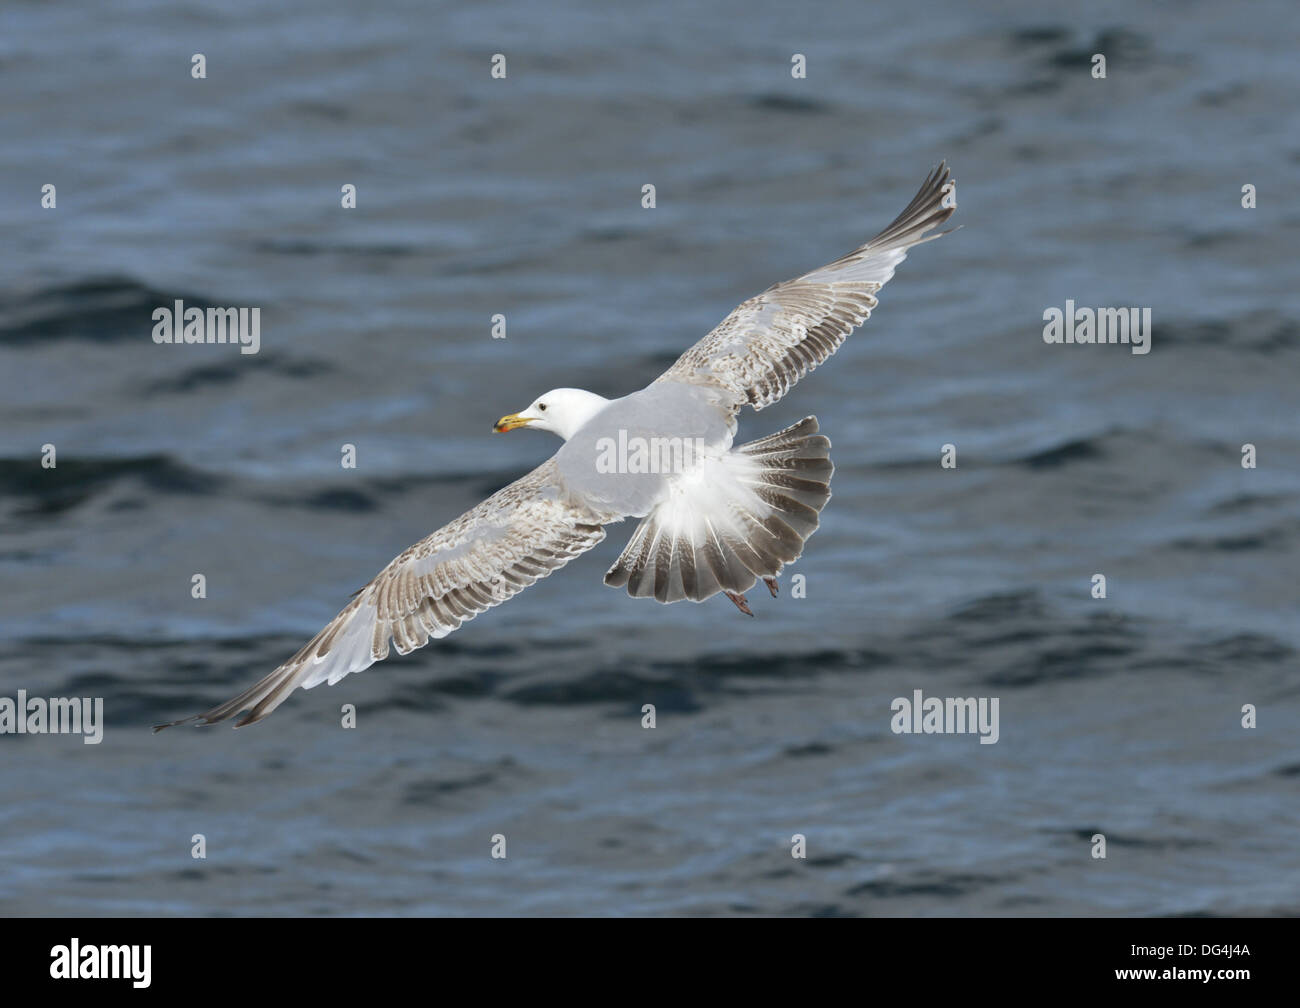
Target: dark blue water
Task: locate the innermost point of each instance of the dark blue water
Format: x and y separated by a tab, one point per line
522	197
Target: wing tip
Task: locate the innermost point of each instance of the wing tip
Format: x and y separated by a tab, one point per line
197	720
929	208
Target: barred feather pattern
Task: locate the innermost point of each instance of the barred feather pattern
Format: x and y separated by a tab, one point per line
759	351
517	536
737	518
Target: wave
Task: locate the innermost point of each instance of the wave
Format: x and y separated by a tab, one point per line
94	310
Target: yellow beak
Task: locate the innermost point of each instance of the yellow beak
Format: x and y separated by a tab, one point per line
510	422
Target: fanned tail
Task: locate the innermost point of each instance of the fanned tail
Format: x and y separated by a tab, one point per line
730	520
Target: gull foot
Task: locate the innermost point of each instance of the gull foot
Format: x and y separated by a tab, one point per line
771	585
739	599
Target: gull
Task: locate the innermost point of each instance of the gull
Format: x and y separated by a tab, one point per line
714	519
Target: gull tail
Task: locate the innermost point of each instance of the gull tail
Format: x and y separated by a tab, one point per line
730	520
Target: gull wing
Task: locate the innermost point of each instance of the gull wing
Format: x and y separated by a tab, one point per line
758	352
517	536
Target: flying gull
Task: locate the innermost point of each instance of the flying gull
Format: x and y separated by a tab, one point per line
715	519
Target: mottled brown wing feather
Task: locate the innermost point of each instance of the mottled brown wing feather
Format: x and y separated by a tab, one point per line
516	537
759	351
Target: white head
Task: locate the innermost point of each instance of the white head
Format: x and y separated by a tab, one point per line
561	411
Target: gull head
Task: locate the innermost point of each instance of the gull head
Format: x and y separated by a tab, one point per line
560	411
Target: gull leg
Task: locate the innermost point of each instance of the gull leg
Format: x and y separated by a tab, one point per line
739	599
771	585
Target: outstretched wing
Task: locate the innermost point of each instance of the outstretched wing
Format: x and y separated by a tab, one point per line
517	536
758	352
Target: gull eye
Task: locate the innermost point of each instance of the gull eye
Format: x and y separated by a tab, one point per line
542	406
